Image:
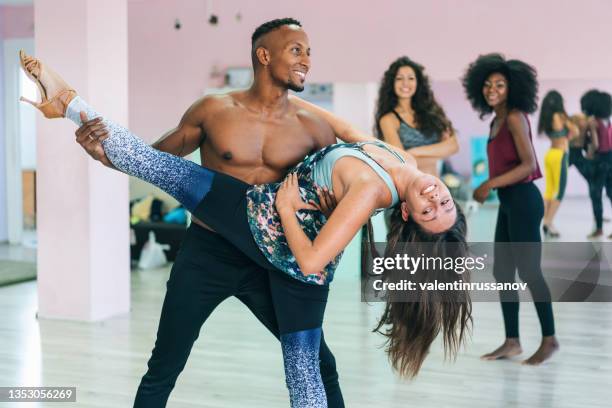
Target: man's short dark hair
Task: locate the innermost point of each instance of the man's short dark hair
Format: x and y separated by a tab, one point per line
272	25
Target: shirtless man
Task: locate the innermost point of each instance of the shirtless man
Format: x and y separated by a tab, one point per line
256	136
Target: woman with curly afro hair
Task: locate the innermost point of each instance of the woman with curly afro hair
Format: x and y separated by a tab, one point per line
508	88
408	116
597	106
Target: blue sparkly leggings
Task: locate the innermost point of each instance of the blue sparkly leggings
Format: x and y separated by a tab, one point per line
190	183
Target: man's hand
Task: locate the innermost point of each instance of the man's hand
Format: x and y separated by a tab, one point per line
327	201
288	196
90	135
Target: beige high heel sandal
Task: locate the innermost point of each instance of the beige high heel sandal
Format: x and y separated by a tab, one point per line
54	107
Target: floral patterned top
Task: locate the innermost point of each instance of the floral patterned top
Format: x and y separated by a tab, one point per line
265	222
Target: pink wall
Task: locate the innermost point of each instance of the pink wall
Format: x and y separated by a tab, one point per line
354	43
169	69
16	22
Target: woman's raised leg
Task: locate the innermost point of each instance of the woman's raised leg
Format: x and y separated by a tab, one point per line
185	180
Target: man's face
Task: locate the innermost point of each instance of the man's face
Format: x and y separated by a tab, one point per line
289	56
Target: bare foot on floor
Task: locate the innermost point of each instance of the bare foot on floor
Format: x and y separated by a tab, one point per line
510	348
547	348
598	233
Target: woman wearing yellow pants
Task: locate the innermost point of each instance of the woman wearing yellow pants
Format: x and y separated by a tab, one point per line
555	124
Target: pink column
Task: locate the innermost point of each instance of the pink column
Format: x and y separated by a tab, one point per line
83	218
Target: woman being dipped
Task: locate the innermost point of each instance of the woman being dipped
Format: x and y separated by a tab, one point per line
508	88
278	227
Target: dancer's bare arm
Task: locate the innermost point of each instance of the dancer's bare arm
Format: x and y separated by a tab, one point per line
180	141
342	129
519	128
561	121
573	129
352	212
446	147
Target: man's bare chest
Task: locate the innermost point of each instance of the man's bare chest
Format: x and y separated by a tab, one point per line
278	144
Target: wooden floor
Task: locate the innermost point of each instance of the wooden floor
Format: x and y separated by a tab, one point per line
236	363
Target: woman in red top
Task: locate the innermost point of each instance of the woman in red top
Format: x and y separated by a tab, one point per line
508	88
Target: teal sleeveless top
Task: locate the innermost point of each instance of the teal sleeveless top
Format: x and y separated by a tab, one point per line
556	134
264	220
322	172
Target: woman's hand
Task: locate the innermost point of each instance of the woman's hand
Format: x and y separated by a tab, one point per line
482	192
288	196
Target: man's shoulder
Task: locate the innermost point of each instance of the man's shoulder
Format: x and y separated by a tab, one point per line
311	120
317	126
214	102
212	105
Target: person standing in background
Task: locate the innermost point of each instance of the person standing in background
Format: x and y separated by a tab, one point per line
508	88
598	107
555	124
408	116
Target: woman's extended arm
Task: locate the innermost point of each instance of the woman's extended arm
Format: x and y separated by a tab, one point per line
352	212
343	130
447	146
573	129
560	122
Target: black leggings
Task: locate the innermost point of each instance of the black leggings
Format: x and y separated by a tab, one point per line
601	176
520	213
208	270
582	164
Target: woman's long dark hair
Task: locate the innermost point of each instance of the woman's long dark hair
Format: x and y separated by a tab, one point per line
551	104
428	114
521	77
411	327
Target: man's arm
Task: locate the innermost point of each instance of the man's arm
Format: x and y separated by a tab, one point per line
189	134
180	141
321	132
341	128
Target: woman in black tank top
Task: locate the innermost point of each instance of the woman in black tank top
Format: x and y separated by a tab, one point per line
408	116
